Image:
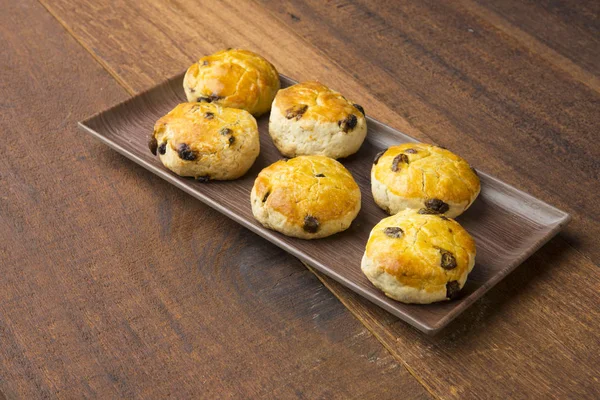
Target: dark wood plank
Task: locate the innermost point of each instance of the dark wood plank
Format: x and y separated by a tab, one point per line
534	44
117	285
571	28
481	93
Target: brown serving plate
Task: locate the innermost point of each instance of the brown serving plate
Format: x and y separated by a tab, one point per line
508	225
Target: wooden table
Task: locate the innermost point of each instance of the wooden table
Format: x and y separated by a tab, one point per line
116	284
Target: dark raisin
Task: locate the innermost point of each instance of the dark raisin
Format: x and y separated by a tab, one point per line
378	156
437	205
348	123
448	260
296	111
208	99
162	149
359	108
452	289
426	211
225	131
186	153
266	196
319	176
410	151
311	224
204	63
152	144
209	115
397	160
192	90
394	232
352	121
231	140
203	179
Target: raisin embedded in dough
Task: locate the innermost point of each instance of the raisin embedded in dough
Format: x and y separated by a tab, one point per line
311	224
394	232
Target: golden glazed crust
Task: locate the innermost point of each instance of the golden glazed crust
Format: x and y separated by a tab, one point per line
307	196
206	141
311	119
422	254
323	104
233	78
415	175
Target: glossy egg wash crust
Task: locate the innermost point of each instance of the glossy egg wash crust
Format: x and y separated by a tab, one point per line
233	78
310	119
308	197
206	141
424	177
419	258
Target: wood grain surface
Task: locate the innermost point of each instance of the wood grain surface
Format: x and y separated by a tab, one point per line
144	293
512	85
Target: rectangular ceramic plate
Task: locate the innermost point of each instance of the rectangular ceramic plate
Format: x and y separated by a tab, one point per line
507	224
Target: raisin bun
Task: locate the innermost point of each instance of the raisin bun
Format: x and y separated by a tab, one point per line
206	141
233	78
311	119
428	178
307	197
419	258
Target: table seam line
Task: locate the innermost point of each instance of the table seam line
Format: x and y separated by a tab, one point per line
88	50
378	337
534	45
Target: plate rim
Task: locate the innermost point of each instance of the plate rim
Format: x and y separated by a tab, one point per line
563	218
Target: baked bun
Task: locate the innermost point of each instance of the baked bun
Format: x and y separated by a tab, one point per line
206	141
428	178
307	197
311	119
233	78
418	258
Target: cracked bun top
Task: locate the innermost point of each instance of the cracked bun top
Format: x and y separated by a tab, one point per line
233	78
206	141
429	178
314	101
430	253
306	196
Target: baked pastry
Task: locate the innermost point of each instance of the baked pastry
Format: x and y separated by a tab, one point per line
419	258
307	197
233	78
428	178
206	141
311	119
